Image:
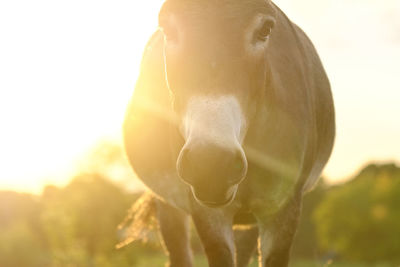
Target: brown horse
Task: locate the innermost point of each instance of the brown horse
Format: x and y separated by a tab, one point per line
231	122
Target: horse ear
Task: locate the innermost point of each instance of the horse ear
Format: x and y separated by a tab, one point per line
149	119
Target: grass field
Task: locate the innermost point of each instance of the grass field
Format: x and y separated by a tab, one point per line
201	261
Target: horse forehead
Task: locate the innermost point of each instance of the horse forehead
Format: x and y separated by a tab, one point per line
228	10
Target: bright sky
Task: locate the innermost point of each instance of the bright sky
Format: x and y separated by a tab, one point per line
68	68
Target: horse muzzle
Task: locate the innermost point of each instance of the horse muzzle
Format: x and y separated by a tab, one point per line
212	161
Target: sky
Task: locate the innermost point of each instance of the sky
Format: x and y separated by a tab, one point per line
68	68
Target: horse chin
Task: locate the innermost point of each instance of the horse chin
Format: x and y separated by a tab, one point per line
231	194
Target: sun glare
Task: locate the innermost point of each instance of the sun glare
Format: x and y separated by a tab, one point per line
67	71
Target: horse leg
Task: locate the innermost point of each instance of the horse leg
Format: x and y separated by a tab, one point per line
214	227
245	242
276	235
174	226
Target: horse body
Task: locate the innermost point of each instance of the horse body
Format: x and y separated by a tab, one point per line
219	130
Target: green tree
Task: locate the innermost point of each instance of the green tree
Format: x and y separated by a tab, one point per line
360	220
21	239
75	225
80	221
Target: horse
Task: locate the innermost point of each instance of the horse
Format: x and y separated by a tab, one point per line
231	122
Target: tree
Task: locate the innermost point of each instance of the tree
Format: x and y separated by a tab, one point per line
80	221
360	219
20	231
75	225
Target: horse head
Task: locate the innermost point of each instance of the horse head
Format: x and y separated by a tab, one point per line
216	71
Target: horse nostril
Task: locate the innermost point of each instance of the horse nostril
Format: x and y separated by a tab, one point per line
184	165
239	167
238	163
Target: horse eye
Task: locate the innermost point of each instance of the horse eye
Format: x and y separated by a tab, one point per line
264	32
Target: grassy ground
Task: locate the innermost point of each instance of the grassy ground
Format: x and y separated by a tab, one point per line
200	261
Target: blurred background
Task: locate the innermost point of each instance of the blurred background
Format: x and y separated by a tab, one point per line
67	71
